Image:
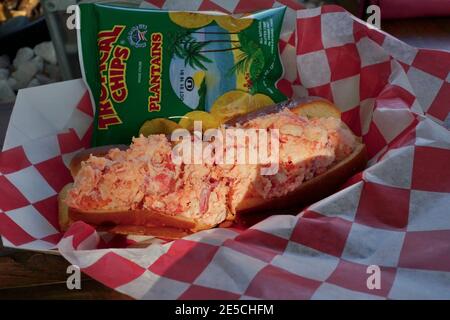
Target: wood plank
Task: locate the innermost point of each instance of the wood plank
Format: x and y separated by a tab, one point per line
21	269
90	289
31	275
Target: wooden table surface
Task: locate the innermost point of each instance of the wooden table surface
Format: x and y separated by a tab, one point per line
30	275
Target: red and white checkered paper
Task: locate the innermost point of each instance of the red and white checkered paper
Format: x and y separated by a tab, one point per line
395	214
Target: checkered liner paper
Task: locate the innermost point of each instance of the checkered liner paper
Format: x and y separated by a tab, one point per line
395	214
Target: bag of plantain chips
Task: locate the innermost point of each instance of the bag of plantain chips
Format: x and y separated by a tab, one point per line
152	71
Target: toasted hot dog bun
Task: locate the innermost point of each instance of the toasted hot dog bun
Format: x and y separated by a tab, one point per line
137	222
254	208
63	209
75	163
251	208
310	107
316	108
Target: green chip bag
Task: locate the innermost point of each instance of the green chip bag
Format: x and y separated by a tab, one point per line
151	71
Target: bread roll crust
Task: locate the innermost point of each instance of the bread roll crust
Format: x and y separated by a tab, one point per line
254	208
75	163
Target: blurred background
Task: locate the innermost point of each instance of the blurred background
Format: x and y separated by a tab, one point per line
37	48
